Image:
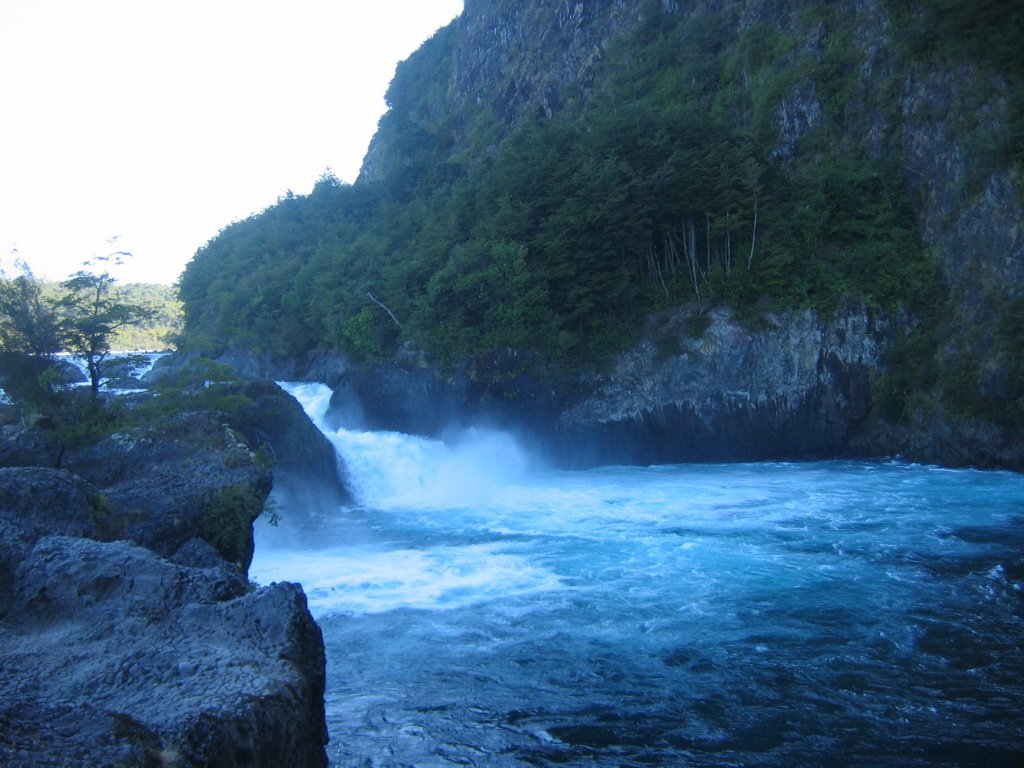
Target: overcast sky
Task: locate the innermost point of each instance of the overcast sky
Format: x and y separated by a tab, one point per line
160	122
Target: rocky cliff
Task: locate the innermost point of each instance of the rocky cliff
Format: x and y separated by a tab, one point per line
129	633
664	230
870	77
799	388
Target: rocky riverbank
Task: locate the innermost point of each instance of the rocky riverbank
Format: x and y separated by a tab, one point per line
129	632
800	387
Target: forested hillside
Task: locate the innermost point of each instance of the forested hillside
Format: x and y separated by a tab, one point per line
548	174
160	328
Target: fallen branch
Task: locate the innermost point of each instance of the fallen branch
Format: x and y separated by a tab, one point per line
381	304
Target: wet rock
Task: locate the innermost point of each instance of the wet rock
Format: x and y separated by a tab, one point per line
21	446
36	502
305	463
795	389
800	387
411	398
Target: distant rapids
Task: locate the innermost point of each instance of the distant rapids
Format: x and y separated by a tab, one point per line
482	611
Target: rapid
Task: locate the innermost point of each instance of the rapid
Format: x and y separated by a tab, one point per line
480	610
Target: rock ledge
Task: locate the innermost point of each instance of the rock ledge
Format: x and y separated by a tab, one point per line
129	633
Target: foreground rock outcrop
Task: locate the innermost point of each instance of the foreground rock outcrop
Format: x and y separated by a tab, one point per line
129	633
118	656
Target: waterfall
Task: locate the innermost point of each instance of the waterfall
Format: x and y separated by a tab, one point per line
485	612
382	554
389	469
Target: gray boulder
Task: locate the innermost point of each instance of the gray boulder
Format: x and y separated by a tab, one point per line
21	446
113	655
171	481
307	471
155	651
36	502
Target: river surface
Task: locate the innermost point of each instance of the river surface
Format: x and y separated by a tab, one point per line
481	611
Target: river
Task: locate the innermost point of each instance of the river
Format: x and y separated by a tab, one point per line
482	611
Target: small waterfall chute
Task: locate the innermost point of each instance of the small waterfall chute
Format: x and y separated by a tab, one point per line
386	469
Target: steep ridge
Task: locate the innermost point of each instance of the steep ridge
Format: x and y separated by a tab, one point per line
870	184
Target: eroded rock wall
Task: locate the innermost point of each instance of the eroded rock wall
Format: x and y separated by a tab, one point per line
794	389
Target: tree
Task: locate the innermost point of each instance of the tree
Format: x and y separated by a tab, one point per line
28	323
93	311
29	337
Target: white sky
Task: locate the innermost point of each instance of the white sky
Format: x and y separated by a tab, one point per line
159	122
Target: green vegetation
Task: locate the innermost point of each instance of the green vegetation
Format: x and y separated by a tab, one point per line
201	385
107	522
163	323
83	318
157	329
659	189
29	323
986	36
666	182
227	520
985	376
92	312
87	315
33	327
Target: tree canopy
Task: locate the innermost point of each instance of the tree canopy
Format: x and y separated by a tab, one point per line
92	312
29	324
660	188
667	182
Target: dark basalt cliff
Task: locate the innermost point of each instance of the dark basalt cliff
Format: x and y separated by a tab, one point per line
129	633
799	388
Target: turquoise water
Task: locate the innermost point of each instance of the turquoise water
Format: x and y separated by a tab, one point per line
478	610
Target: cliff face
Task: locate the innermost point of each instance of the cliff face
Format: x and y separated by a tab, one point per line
796	389
557	185
865	79
694	389
521	58
531	58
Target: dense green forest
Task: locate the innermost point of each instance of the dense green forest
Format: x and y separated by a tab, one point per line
663	185
159	330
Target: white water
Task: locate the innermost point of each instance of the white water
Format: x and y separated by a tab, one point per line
142	363
147	360
480	611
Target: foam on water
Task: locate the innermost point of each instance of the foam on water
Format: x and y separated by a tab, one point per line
389	469
401	480
366	580
477	611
